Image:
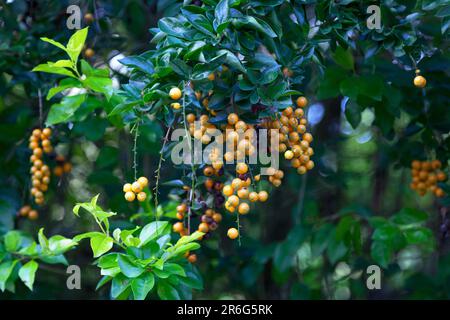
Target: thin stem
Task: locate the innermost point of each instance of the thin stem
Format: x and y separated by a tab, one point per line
191	195
136	135
40	108
158	169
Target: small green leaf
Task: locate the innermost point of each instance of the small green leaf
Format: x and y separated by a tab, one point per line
151	231
55	43
76	43
12	241
142	285
166	291
128	268
27	273
101	244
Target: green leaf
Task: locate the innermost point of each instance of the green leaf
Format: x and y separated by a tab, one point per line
59	244
138	63
101	244
151	231
76	43
6	269
85	235
63	85
408	216
55	43
119	285
27	273
12	241
221	13
50	67
344	58
381	252
166	291
101	85
128	268
43	241
174	268
142	285
62	112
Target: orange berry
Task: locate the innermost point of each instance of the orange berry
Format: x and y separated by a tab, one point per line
232	233
301	102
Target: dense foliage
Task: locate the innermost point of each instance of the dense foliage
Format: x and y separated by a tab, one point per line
305	68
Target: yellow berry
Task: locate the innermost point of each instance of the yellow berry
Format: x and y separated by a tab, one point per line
175	93
176	105
253	196
263	196
243	193
227	190
141	196
241	168
233	118
136	187
130	196
288	155
232	233
244	208
143	181
127	187
233	200
420	81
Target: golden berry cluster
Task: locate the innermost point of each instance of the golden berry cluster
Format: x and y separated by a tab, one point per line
426	175
295	142
39	144
27	211
135	190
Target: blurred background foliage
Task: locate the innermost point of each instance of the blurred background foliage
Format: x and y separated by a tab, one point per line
318	233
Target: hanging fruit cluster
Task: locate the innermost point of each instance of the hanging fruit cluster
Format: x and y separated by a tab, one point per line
425	176
40	172
237	193
135	190
62	166
27	211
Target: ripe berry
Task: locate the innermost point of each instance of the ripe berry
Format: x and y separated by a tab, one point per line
232	233
182	208
89	53
211	77
243	193
143	181
241	168
263	196
217	217
208	171
175	93
244	208
89	18
420	81
136	187
176	105
141	196
203	227
288	155
130	196
301	102
253	196
192	258
227	190
232	118
24	211
33	215
178	227
233	201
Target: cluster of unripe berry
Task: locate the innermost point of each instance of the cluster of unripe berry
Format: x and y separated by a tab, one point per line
62	166
40	172
135	190
419	81
426	175
27	211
